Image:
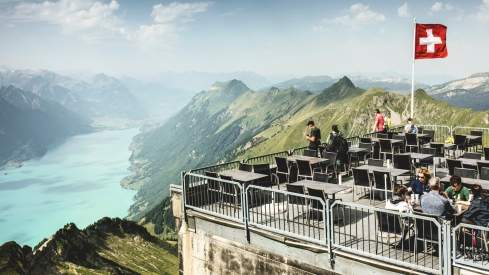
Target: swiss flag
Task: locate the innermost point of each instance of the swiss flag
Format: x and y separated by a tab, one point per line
430	41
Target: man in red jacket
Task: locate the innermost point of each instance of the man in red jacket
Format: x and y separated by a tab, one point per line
379	121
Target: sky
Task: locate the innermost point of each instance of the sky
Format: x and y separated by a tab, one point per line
272	38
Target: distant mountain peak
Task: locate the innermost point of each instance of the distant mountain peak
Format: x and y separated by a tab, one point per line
345	81
343	88
234	86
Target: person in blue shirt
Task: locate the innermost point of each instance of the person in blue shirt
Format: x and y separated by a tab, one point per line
410	128
420	184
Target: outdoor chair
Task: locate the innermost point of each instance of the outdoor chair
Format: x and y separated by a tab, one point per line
465	172
430	134
484	173
478	142
486	153
426	232
382	136
213	186
310	153
460	141
331	165
316	207
304	169
229	192
382	186
480	166
245	167
283	169
402	147
451	164
472	155
404	162
386	148
389	228
295	200
264	169
322	177
361	178
375	162
366	140
429	161
412	142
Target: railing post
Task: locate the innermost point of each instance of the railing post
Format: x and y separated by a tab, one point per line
446	248
184	195
244	206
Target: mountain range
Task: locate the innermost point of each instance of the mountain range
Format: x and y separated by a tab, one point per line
29	125
229	121
470	92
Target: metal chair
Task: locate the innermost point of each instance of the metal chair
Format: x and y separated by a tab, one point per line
472	155
426	232
375	162
332	164
402	146
389	226
310	153
297	189
322	177
412	142
213	186
430	134
264	169
366	140
229	193
477	142
386	148
451	164
245	167
282	169
428	151
361	178
304	169
484	173
460	141
316	206
465	172
486	153
404	162
480	166
383	136
382	183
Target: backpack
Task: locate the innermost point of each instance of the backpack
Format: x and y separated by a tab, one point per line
342	149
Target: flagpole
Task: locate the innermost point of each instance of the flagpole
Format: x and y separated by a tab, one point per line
412	69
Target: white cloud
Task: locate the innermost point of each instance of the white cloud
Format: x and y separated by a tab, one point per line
440	6
92	18
483	13
168	20
403	11
358	15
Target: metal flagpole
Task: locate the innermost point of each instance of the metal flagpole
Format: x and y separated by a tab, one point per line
412	69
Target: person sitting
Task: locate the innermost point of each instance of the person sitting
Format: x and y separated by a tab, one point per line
478	212
420	184
410	128
313	135
456	191
434	203
400	201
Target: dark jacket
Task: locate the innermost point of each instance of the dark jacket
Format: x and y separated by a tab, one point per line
418	187
478	212
339	145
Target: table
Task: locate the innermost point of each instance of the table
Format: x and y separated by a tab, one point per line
243	176
469	182
394	171
472	137
312	160
418	156
356	150
328	188
472	162
395	142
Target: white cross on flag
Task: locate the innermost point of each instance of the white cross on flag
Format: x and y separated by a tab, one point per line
430	41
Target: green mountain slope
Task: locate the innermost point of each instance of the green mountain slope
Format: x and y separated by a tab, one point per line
229	121
109	246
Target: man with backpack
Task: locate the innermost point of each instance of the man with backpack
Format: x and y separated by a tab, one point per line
338	144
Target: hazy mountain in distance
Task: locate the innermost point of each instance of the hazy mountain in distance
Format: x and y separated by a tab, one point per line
100	96
30	124
319	83
470	92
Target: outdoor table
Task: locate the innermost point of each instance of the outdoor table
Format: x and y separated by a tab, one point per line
418	156
357	151
395	172
395	142
243	176
312	160
329	189
472	162
469	182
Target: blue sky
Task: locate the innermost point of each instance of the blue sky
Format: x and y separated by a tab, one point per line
272	38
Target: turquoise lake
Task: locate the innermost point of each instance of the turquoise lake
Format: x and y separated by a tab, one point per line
77	181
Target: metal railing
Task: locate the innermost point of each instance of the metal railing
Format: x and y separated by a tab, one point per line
216	168
408	240
442	132
270	158
301	216
214	196
470	244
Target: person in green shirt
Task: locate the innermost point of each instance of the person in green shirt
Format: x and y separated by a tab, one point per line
456	191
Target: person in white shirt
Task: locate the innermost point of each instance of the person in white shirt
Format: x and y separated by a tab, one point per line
400	201
410	128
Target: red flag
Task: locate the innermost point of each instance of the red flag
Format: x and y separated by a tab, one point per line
430	41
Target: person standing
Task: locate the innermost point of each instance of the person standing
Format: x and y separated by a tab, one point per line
410	128
313	135
379	121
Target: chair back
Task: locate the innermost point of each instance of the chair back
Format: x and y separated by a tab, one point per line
486	153
430	134
382	180
298	189
293	174
361	177
428	150
385	145
476	133
452	163
365	145
375	162
282	165
226	177
384	136
481	165
484	173
472	155
420	130
263	168
411	139
310	153
366	140
212	184
322	177
460	141
304	168
465	172
245	167
388	223
211	174
331	156
402	162
318	194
